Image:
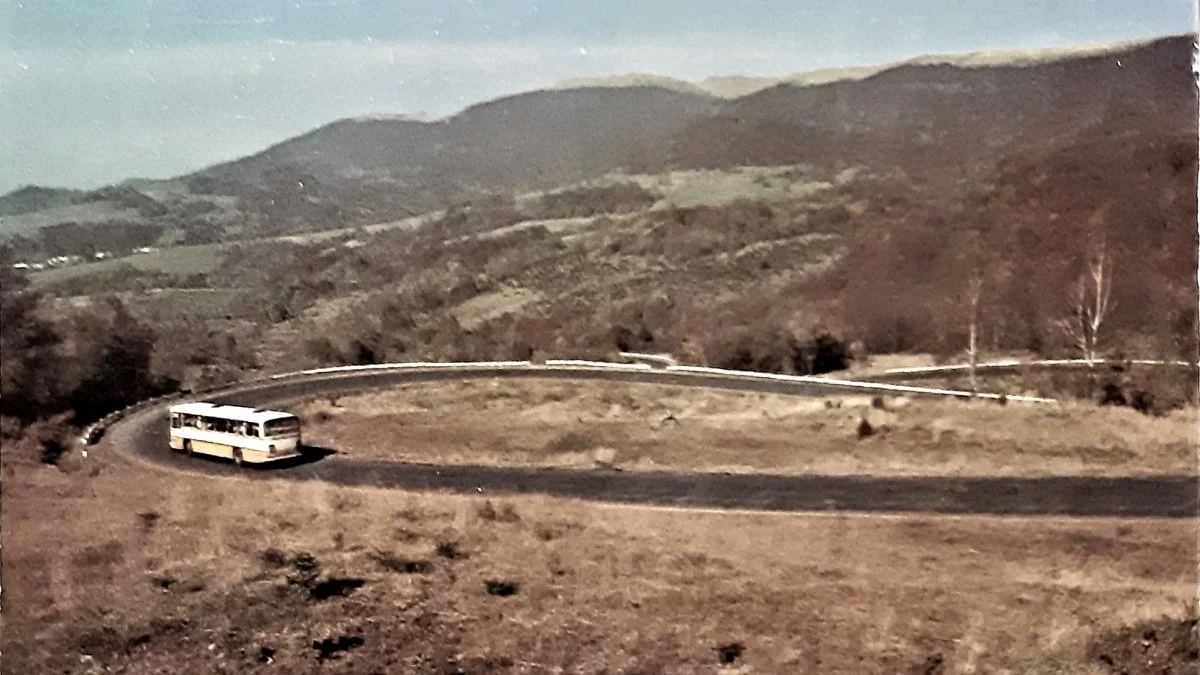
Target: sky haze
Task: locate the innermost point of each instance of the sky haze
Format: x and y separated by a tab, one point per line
93	93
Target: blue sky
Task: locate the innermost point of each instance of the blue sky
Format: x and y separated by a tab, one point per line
96	91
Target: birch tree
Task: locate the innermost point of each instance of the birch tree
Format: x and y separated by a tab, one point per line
1089	302
975	270
974	295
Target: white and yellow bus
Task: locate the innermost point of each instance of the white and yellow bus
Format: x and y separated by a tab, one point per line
235	432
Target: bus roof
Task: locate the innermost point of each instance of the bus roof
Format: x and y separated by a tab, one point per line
230	412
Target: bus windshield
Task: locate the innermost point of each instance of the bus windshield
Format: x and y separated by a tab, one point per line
284	427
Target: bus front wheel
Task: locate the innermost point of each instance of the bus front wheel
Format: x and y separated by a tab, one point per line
187	447
237	456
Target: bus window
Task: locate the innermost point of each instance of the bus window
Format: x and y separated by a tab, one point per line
284	427
176	422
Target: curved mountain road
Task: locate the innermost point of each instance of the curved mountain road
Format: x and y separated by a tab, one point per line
143	436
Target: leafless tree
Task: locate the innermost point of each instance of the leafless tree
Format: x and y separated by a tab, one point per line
974	294
1089	301
980	268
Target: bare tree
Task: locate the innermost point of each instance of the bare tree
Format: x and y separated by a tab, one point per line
974	294
1089	302
980	268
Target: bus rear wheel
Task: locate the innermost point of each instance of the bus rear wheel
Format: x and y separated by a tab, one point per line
237	456
187	447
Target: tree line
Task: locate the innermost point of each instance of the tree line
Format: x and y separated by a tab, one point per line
78	368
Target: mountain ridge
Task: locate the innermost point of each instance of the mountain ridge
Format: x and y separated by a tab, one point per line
935	117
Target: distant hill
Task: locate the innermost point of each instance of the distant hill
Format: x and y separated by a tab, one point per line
935	113
631	80
537	139
736	86
936	118
945	119
33	198
720	86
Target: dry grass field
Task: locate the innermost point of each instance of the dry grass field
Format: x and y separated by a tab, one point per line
652	427
116	568
179	260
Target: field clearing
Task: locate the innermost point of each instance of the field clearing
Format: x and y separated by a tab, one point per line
185	260
189	574
194	303
646	427
410	223
179	260
26	223
716	187
493	304
562	226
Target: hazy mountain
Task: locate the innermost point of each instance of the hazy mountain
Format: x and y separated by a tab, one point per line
944	118
34	198
936	117
535	139
930	114
631	80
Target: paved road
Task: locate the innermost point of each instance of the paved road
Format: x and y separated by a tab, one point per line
144	434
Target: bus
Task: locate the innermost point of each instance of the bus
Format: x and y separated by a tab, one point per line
234	432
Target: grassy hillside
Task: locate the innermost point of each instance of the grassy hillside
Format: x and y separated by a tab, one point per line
789	230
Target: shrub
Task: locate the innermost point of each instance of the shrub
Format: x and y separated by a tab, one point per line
1165	645
864	429
501	587
506	514
53	437
776	350
450	550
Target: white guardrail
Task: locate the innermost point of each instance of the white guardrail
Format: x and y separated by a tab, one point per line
93	432
461	365
858	385
1048	363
